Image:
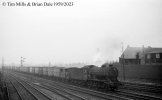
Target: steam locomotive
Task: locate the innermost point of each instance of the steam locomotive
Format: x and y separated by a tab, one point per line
101	77
90	75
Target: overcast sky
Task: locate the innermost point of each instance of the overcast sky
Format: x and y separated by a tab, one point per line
89	31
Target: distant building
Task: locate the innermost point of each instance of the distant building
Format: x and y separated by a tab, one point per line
141	55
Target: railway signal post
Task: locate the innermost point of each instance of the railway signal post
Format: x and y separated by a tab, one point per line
22	60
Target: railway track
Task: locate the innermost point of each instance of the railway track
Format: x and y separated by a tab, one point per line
71	95
96	94
143	87
7	96
88	94
13	93
127	94
62	92
145	90
43	91
138	96
27	92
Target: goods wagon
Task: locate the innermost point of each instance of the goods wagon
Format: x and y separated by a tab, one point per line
36	70
40	71
28	69
50	71
62	72
22	69
56	72
45	71
25	69
13	68
75	74
32	70
17	68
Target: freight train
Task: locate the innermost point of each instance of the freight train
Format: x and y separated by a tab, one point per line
104	77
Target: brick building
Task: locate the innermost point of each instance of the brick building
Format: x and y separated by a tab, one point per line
141	55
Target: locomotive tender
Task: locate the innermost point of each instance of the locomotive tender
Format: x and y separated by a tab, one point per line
90	75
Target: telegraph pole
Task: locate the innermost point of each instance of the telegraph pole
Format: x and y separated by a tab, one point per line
123	61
